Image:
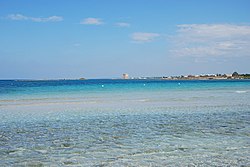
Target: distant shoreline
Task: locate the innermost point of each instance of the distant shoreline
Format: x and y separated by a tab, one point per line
157	79
125	76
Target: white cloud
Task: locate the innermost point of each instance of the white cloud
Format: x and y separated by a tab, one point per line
122	24
48	19
35	19
206	40
92	21
17	17
142	37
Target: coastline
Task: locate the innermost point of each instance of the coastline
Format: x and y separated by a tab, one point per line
142	78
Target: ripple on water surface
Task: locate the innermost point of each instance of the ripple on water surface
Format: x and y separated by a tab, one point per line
163	139
124	123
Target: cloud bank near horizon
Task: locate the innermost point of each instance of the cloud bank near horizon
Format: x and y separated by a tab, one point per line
211	40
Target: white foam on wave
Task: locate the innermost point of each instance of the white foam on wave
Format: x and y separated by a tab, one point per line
142	100
240	91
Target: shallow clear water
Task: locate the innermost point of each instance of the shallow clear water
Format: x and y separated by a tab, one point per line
124	123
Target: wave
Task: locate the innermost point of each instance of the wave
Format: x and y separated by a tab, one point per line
240	91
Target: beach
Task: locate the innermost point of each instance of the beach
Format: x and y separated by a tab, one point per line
125	123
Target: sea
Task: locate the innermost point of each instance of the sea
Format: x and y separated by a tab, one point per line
124	123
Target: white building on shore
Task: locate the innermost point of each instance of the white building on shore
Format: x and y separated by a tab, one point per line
125	76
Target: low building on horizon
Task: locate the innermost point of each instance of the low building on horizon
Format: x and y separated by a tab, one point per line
125	76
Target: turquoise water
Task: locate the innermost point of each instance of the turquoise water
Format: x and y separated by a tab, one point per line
125	123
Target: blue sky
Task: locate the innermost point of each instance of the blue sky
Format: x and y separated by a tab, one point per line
46	39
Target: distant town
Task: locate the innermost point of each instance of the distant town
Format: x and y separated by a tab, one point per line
234	75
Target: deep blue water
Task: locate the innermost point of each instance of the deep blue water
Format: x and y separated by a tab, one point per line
125	123
11	84
9	87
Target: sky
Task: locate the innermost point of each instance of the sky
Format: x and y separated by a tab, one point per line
52	39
